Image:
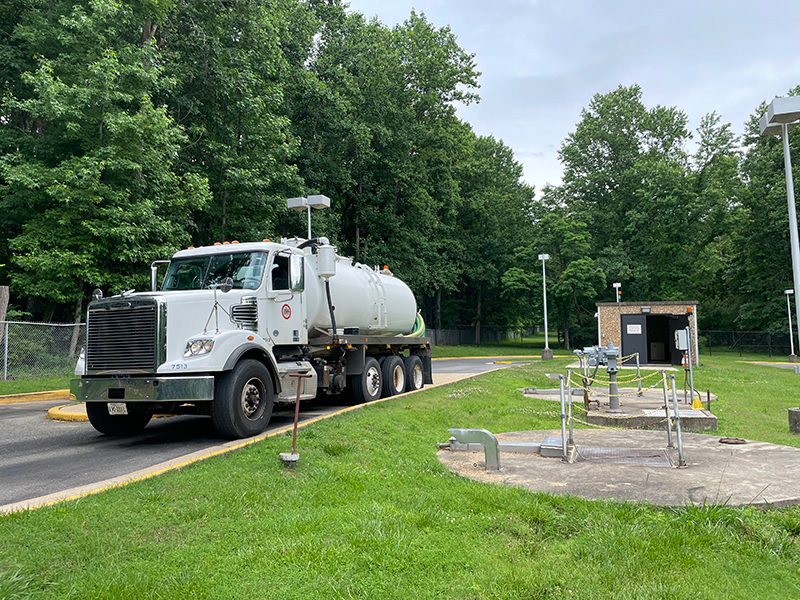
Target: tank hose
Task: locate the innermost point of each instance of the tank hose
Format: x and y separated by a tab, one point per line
419	327
330	307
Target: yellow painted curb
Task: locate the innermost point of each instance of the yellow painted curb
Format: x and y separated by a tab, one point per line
35	397
57	414
177	464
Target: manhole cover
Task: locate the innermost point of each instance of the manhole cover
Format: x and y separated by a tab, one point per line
622	456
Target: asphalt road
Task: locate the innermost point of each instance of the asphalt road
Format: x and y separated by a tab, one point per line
39	456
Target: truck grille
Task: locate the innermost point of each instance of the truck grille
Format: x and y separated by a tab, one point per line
122	336
245	315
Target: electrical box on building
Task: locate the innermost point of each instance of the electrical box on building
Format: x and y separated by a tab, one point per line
681	339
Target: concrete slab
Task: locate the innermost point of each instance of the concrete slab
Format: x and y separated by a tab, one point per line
753	473
645	411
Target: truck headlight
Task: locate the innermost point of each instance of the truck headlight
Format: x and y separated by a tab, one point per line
198	347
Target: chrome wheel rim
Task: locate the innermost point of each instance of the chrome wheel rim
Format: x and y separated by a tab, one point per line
399	378
373	381
253	394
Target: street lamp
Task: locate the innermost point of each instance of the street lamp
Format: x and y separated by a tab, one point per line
781	116
547	354
792	356
317	201
617	293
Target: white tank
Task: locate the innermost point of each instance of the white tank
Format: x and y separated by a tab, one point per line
375	302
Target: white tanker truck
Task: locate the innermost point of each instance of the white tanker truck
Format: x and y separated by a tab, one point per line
233	322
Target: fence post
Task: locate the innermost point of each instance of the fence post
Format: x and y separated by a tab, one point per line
5	352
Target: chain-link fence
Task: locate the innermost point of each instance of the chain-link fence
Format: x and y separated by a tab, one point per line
747	342
36	350
466	335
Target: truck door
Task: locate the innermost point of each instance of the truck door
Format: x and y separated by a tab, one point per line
286	312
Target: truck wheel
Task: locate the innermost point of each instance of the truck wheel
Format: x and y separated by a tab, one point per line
394	376
242	405
367	386
129	424
415	377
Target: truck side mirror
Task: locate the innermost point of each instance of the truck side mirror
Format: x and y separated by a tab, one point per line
297	273
226	285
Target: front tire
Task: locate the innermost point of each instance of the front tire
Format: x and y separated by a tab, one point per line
129	424
242	405
367	385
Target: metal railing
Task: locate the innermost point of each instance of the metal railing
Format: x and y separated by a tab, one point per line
36	350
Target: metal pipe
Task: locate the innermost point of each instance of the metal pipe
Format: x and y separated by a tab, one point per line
563	419
5	353
681	461
300	377
691	359
638	375
569	395
795	244
666	410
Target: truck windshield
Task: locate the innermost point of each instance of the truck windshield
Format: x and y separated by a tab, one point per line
206	272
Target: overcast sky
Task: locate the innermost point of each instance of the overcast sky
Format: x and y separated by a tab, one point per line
543	60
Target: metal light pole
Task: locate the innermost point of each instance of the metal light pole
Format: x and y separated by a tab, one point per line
781	116
617	292
317	201
792	356
547	354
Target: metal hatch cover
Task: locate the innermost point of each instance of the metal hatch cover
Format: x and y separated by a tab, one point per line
623	456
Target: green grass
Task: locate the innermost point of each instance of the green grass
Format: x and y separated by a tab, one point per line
26	386
529	346
369	512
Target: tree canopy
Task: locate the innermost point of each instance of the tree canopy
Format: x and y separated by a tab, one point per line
131	129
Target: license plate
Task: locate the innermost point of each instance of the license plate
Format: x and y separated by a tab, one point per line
117	408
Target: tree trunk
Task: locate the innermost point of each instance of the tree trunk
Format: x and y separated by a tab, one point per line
30	306
478	321
76	331
4	296
566	335
224	195
438	311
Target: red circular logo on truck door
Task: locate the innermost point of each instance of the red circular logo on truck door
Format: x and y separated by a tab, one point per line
286	311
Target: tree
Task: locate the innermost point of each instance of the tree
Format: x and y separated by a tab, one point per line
88	158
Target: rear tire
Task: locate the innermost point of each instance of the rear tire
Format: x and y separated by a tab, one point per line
415	376
242	405
394	376
367	386
129	424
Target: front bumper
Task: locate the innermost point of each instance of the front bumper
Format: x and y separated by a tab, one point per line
143	389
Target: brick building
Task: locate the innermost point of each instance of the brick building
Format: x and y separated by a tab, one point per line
647	328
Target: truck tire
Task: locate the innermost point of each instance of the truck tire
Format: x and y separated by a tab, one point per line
367	385
243	398
415	376
394	376
129	424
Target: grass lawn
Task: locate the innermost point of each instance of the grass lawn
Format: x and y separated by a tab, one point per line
26	386
369	512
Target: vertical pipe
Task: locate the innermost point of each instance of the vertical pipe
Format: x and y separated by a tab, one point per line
308	208
544	292
569	396
787	162
691	361
666	410
563	419
639	375
789	309
681	461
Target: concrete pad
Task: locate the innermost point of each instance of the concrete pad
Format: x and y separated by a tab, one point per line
753	473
